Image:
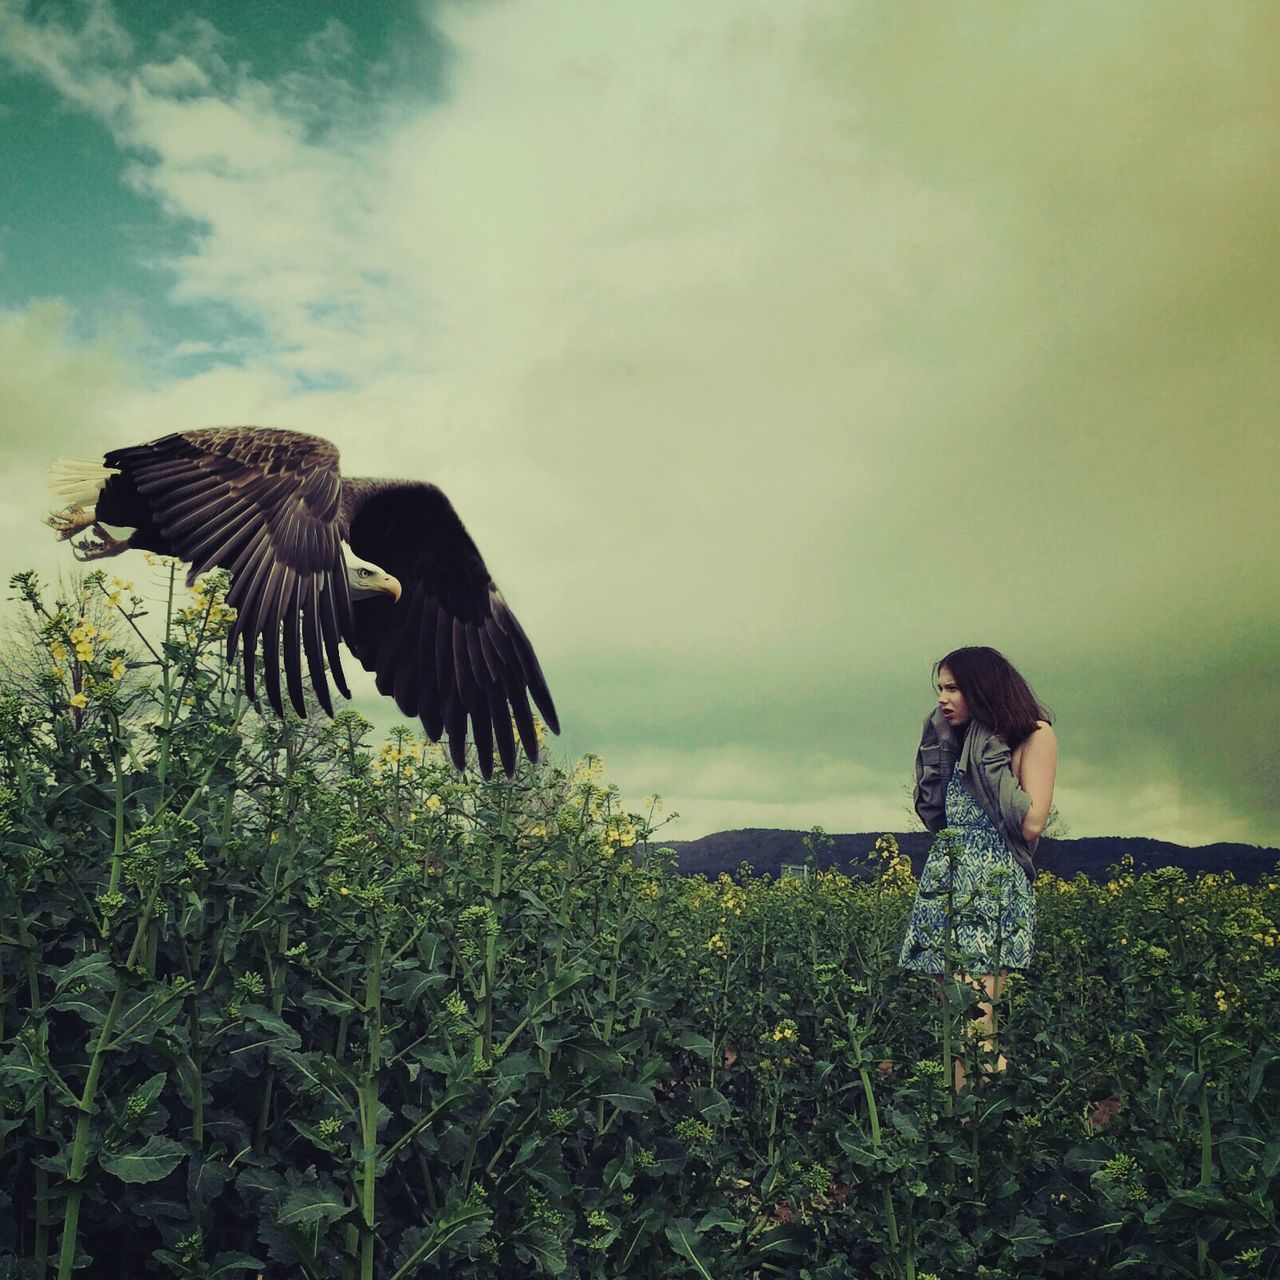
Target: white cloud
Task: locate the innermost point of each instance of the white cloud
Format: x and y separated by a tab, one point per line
179	75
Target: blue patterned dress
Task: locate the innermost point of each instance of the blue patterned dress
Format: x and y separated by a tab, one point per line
993	904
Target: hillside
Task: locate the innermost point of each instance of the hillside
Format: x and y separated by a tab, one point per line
769	850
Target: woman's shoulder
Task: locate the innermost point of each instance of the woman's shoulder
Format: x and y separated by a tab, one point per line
1041	742
1042	733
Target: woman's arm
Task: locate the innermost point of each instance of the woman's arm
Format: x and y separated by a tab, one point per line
1039	766
930	801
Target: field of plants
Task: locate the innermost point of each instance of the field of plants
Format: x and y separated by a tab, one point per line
276	1001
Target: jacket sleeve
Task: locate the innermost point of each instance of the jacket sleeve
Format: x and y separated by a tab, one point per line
930	796
1005	796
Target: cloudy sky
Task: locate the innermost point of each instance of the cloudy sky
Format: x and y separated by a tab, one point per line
768	351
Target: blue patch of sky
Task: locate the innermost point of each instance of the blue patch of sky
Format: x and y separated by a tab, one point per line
328	381
72	226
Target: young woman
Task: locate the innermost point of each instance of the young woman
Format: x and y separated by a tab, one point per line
985	769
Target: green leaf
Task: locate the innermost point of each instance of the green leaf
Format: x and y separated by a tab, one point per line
568	979
513	1068
790	1239
905	1125
205	1181
1028	1237
711	1105
590	1053
329	1003
629	1095
17	1068
93	968
279	1034
410	985
156	1160
1261	1063
852	1144
549	1255
307	1205
721	1216
684	1238
150	1089
695	1042
225	1264
320	1071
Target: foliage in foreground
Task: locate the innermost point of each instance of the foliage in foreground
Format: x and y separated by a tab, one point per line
276	1003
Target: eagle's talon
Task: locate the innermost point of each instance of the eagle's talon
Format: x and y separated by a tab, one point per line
97	548
70	521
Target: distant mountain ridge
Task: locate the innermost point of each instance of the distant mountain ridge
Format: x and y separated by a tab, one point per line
770	850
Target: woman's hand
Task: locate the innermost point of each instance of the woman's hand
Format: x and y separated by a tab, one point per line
1038	767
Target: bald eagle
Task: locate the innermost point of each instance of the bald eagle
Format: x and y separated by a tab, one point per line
384	565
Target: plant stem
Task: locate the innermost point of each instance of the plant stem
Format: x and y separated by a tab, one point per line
166	677
42	1175
873	1116
87	1103
369	1105
1206	1152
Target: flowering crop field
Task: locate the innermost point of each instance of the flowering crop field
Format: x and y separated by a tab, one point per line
276	1002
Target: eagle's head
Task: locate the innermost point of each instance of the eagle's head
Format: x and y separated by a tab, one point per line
367	579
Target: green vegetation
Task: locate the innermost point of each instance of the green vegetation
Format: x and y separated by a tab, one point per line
277	1003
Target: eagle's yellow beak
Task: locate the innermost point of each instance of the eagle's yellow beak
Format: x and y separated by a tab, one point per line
391	586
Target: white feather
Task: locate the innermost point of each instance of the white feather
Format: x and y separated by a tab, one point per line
77	482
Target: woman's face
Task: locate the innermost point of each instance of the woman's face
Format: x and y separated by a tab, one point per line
951	700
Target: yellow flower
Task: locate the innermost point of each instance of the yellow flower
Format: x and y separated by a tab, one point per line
345	892
78	700
84	652
118	668
434	804
59	652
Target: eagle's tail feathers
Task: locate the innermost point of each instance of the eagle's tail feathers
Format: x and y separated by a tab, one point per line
77	482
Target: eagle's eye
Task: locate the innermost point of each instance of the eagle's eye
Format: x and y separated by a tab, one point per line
364	573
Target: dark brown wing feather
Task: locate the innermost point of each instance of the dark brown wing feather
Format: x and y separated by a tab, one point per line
449	650
263	503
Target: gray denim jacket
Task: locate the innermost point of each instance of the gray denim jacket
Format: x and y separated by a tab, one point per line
982	758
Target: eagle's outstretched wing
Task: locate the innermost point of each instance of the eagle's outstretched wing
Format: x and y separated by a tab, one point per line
264	504
449	648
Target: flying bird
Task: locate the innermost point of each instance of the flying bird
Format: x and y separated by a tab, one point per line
384	565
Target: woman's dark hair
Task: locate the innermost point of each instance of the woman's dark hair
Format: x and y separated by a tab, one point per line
994	691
